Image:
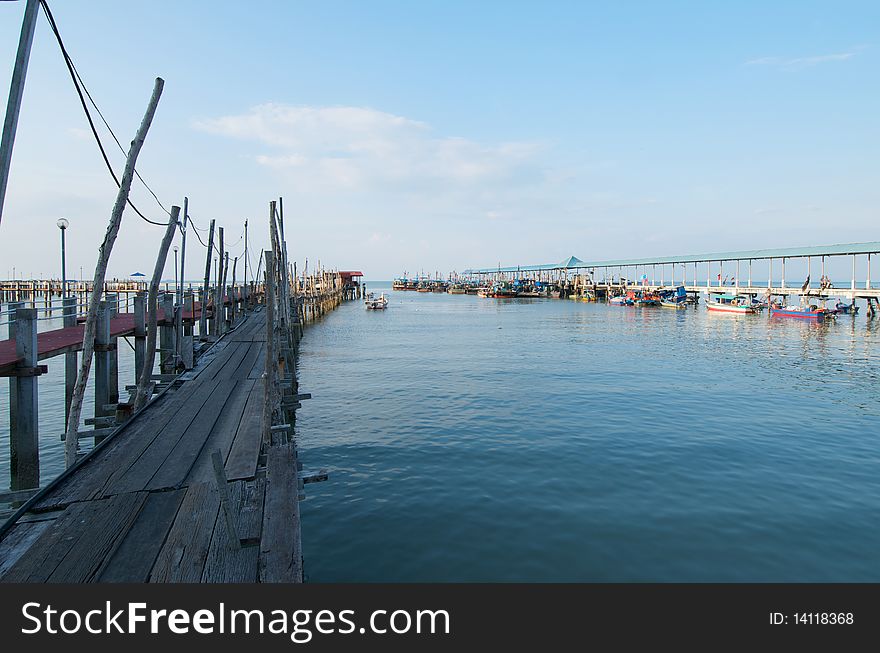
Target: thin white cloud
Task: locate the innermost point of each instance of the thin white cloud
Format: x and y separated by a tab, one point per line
356	147
800	62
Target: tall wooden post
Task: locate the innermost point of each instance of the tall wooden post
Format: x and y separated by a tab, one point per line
16	91
271	359
179	295
203	319
218	291
72	440
233	299
144	384
224	270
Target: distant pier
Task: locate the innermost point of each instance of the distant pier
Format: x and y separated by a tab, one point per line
701	273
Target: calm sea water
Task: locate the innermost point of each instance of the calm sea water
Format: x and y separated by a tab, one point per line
473	439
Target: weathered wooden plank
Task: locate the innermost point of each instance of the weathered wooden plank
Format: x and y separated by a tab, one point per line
17	542
49	548
217	364
116	455
259	364
280	543
140	546
100	535
176	466
225	564
248	361
182	557
223	432
141	471
242	460
227	371
74	545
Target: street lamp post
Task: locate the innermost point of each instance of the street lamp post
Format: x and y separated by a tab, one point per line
63	224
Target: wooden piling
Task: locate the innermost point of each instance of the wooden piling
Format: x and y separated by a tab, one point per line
113	358
24	444
102	360
13	308
166	335
140	333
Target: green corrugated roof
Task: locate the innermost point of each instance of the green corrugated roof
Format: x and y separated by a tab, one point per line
746	255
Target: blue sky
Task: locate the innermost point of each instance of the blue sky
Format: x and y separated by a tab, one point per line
447	135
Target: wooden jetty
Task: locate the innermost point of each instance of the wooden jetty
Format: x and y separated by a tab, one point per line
203	483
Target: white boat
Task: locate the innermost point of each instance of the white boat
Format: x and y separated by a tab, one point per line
728	303
374	303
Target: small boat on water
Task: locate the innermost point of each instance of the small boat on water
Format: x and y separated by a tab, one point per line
504	290
484	292
374	303
674	298
727	303
621	300
811	312
846	309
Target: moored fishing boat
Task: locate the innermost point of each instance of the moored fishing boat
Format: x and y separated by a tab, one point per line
812	312
621	300
673	298
728	303
374	303
504	290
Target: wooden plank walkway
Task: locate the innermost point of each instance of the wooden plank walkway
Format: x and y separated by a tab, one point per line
145	505
60	341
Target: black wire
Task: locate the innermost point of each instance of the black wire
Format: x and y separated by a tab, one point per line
113	134
73	77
